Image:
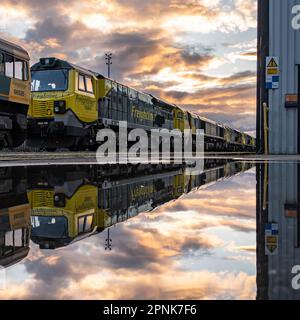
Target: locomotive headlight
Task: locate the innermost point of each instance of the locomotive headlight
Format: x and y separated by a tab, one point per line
60	106
59	200
48	61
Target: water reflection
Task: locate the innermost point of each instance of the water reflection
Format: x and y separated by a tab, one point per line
278	230
14	216
158	233
71	203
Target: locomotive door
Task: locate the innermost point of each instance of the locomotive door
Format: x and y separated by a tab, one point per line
4	81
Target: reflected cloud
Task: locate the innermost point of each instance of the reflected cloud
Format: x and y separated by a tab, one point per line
173	252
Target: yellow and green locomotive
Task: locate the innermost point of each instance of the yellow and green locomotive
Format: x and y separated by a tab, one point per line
70	104
15	212
69	206
14	94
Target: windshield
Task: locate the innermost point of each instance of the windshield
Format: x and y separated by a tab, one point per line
49	80
49	227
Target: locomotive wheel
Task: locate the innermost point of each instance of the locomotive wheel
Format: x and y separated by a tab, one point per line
5	140
52	144
74	144
18	139
2	141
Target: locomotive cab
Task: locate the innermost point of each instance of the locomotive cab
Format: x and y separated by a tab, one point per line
14	234
14	94
64	214
63	108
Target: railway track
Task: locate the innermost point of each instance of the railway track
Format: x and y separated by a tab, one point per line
80	156
12	158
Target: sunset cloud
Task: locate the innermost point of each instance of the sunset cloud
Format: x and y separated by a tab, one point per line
199	54
201	246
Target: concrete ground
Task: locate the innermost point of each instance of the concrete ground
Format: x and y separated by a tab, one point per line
8	159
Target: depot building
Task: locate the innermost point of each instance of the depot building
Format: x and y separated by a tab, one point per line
278	88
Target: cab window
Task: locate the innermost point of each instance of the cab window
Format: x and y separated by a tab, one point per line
85	83
19	67
89	84
26	71
179	116
13	67
81	84
85	224
9	66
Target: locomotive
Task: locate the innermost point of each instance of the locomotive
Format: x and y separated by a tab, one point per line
14	94
70	104
69	204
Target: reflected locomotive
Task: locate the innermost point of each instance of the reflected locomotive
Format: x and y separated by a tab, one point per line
57	206
15	223
68	206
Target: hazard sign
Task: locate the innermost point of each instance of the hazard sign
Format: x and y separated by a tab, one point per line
272	72
272	63
271	238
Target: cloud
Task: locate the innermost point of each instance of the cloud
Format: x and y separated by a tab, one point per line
194	244
171	253
159	47
239	77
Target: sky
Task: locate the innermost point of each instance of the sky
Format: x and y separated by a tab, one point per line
199	54
201	246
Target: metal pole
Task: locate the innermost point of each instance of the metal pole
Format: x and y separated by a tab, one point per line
108	241
108	57
266	127
263	52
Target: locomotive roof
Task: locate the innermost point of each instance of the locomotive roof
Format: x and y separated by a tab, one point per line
14	49
55	63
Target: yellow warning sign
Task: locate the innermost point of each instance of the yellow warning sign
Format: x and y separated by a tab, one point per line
273	71
272	248
272	240
272	64
271	244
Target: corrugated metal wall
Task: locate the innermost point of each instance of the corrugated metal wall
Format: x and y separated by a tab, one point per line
283	189
284	42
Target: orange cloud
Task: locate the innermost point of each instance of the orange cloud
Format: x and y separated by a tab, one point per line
179	251
157	46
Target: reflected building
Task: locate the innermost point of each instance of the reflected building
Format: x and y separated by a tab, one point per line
14	216
71	203
278	230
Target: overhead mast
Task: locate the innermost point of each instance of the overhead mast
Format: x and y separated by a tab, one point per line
108	57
